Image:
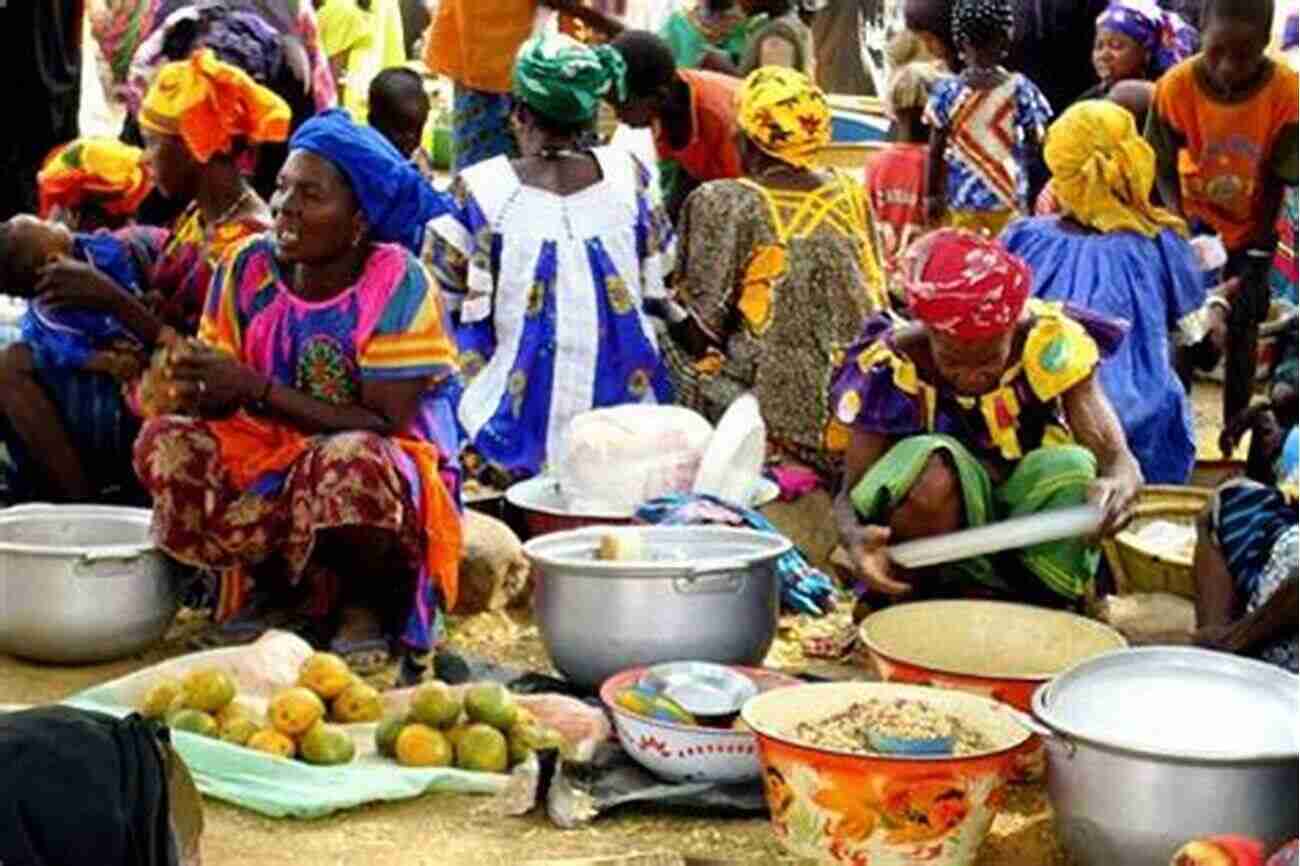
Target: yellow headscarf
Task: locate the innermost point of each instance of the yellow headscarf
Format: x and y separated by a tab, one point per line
784	114
1103	171
209	104
102	170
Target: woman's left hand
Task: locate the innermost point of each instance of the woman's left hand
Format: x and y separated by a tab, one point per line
67	282
213	380
1116	498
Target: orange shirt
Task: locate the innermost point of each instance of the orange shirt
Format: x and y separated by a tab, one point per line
1227	152
474	42
711	153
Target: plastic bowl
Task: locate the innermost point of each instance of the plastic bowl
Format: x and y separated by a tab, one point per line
843	808
688	753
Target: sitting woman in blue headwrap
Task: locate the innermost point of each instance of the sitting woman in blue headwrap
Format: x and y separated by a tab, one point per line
316	458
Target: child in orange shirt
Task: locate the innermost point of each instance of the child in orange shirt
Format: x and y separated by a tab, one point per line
1224	130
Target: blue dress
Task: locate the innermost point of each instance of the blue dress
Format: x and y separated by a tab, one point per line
1150	282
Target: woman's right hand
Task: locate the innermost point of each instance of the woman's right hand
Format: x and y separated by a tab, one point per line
867	550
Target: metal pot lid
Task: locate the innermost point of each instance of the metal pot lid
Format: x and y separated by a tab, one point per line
671	551
1177	702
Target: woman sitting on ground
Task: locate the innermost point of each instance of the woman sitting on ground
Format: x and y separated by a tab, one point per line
1247	550
198	117
983	409
778	272
546	262
1115	253
322	455
93	183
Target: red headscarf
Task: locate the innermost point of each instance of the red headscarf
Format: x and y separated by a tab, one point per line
964	285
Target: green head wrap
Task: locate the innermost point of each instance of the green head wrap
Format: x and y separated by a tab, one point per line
564	80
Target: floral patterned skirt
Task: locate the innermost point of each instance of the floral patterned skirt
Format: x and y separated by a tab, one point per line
348	479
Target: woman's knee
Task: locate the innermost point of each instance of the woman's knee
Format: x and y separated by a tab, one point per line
934	503
168	433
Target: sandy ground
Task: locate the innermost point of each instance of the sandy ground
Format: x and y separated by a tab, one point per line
442	829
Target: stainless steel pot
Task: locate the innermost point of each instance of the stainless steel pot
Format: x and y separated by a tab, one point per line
706	593
81	583
1150	748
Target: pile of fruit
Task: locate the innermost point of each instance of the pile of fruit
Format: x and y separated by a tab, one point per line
486	731
298	719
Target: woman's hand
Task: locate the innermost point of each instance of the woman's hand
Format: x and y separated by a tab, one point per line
1115	497
213	380
67	282
867	550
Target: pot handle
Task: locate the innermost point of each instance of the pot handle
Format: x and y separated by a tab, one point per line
1025	720
121	553
722	578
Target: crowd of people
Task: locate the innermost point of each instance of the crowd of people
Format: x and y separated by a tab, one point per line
264	314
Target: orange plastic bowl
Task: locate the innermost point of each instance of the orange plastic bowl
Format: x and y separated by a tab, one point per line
875	810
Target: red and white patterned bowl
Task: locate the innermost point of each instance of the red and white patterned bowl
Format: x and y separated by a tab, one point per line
688	753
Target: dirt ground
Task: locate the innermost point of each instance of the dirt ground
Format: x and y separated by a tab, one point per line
444	829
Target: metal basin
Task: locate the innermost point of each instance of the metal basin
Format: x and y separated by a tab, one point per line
705	593
1151	747
81	583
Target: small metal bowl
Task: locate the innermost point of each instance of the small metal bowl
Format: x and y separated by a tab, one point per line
703	689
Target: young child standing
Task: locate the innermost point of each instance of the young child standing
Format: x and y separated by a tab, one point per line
1224	130
986	123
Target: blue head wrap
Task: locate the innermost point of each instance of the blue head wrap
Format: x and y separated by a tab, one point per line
396	199
1165	36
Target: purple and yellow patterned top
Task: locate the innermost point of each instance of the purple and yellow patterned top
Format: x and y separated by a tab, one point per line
879	388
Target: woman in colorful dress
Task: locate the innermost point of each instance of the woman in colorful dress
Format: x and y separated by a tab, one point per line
777	274
983	409
986	126
546	263
93	183
710	34
197	117
321	462
1115	253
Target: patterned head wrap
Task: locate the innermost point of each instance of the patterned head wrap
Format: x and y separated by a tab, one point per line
1166	38
210	104
784	114
564	80
982	22
964	285
1103	170
396	199
93	170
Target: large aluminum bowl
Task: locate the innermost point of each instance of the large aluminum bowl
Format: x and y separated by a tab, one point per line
81	583
706	593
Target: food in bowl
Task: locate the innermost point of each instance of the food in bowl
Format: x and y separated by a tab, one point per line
876	727
847	806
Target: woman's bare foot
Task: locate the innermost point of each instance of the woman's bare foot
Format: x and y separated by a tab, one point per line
360	640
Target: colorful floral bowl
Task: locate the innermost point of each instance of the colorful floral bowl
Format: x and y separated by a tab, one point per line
688	753
989	648
865	810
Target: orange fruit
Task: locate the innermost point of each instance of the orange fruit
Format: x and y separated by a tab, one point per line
358	702
422	746
325	674
293	711
208	690
272	742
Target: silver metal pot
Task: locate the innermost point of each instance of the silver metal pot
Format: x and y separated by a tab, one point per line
81	583
705	593
1150	748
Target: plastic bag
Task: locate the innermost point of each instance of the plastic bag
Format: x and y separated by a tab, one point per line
612	460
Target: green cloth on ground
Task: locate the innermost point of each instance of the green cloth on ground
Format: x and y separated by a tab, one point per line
1046	479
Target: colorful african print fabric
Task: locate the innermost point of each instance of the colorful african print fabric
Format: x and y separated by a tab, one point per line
1043	480
781	281
879	389
219	509
785	114
990	134
689	34
547	294
480	127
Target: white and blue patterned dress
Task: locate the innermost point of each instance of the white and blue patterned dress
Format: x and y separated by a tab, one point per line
547	294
